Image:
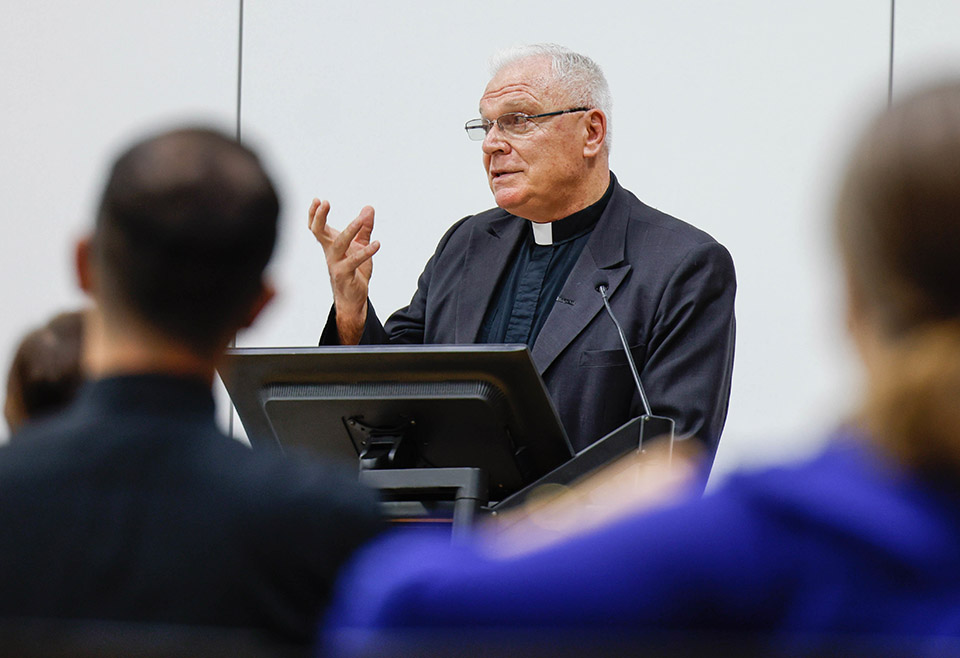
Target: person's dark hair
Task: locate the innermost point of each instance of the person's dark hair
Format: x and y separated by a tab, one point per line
46	373
186	226
898	223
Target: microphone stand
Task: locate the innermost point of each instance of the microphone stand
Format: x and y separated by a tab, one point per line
629	437
651	426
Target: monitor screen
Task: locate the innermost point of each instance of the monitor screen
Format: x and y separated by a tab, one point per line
481	406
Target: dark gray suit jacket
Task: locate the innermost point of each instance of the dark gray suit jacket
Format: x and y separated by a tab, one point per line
671	287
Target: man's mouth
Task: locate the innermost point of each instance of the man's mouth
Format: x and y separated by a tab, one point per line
499	174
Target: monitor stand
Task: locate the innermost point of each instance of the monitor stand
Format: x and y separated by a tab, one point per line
382	447
409	493
414	495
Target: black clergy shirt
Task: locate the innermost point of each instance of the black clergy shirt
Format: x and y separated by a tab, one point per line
531	286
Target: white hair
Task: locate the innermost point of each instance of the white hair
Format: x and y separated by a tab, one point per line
579	76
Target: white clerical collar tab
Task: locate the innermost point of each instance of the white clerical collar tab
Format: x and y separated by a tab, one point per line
542	233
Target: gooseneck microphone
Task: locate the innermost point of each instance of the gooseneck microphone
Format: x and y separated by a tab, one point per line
602	289
630	437
650	426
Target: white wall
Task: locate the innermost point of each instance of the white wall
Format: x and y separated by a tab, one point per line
734	116
927	42
80	80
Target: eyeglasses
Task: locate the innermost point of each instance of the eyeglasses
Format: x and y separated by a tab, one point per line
512	123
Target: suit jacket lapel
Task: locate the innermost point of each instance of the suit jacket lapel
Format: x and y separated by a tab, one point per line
602	261
489	250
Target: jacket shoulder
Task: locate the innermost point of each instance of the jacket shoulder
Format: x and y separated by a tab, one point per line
665	240
455	241
461	229
667	227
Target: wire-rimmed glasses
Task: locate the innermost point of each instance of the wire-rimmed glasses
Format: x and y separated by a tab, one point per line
511	123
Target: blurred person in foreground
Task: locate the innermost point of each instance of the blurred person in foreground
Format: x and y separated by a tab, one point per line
131	505
46	373
861	541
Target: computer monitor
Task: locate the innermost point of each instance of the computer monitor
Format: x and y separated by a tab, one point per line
481	406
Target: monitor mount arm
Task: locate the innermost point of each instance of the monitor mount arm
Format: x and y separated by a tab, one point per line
383	447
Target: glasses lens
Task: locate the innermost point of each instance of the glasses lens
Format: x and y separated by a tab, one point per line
514	123
476	129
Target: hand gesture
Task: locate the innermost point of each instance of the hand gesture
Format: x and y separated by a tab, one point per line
349	254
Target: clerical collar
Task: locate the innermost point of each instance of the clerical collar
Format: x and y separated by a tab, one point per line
572	226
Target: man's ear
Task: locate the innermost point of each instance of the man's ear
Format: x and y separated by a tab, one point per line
267	293
596	137
83	262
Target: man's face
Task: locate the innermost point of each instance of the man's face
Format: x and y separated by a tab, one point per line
537	175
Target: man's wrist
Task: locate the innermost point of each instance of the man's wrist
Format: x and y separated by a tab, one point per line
350	322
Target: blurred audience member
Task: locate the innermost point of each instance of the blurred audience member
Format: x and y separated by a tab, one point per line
130	505
864	540
45	374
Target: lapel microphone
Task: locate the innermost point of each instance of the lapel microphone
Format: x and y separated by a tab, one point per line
650	426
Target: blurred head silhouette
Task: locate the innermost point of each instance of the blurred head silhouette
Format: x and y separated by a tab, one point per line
45	373
186	226
898	224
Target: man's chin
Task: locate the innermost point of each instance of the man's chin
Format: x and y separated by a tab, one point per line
509	200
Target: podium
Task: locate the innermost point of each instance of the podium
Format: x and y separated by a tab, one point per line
470	428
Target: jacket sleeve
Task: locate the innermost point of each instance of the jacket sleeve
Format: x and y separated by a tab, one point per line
689	361
373	332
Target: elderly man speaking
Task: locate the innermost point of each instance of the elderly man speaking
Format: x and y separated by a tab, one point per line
530	271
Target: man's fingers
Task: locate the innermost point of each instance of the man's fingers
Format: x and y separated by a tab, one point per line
318	218
341	243
365	218
359	231
360	256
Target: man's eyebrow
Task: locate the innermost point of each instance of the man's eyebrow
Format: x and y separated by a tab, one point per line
515	107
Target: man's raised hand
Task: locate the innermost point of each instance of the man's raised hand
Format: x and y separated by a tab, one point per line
349	254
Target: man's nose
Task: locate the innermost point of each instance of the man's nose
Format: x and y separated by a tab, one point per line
494	140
